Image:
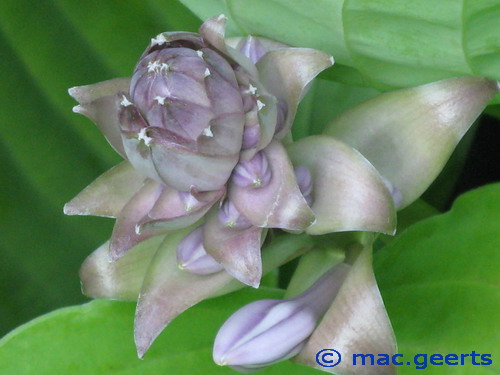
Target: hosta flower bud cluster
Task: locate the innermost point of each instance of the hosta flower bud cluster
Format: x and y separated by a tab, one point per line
204	126
201	126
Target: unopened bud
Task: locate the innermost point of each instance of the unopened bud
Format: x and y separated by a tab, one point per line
192	256
251	136
252	173
268	331
189	201
231	217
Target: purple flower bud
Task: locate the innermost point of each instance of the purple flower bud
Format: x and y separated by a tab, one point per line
251	136
189	201
169	86
230	216
252	48
253	173
185	89
192	256
305	182
268	331
263	332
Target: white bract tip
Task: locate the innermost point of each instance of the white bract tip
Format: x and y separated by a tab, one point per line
159	40
200	53
142	136
208	132
252	90
207	72
137	229
154	66
125	102
332	61
222	17
260	105
73	91
160	100
77	109
164	67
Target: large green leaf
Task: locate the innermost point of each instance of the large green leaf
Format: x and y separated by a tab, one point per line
440	280
380	43
97	338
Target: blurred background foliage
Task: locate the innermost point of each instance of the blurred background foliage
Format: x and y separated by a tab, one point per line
48	154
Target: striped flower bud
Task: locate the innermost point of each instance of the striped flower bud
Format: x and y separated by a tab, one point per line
252	173
229	216
268	331
192	256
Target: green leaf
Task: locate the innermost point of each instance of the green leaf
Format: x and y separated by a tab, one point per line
383	43
97	338
440	279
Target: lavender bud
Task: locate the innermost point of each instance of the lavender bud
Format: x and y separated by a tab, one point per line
159	88
189	201
251	136
230	217
263	332
268	331
252	48
305	182
252	173
192	256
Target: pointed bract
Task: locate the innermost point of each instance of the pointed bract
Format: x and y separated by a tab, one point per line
275	72
348	193
280	203
126	232
108	194
213	31
408	135
87	94
173	210
356	322
237	249
98	102
168	291
121	280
